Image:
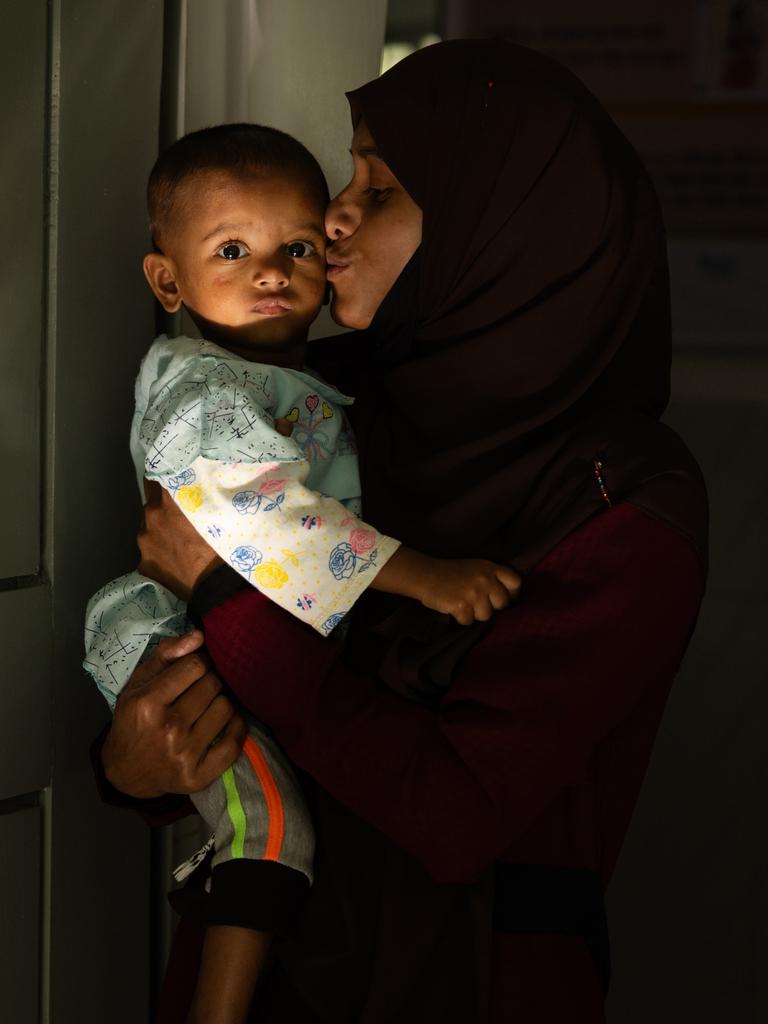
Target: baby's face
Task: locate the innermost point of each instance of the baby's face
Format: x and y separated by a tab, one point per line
248	256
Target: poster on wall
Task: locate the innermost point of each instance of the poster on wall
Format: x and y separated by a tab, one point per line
732	49
687	81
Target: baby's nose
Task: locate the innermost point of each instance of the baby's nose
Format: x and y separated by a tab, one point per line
272	275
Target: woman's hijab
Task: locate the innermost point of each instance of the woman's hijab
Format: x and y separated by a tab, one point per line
509	388
511	385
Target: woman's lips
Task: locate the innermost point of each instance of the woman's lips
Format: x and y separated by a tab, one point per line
272	307
334	269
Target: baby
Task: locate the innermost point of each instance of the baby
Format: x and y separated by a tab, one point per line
236	216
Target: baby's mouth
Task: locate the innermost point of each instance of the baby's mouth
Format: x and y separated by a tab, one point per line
272	305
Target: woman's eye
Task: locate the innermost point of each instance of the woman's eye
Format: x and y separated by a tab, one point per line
378	194
232	251
300	250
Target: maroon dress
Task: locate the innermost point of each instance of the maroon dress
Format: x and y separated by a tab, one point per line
534	757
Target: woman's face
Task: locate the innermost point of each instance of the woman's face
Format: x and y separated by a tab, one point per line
374	228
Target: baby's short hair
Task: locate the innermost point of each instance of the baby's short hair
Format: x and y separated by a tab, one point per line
239	149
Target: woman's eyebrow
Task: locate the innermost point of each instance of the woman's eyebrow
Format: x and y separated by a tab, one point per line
365	151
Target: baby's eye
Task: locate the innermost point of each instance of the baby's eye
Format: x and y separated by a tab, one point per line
232	251
300	250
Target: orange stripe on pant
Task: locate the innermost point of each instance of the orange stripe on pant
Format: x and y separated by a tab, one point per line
276	822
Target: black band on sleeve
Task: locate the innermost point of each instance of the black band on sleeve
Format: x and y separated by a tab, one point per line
214	590
259	894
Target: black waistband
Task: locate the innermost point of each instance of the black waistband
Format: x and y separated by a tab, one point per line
535	899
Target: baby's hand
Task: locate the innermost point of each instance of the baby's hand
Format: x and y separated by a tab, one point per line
469	589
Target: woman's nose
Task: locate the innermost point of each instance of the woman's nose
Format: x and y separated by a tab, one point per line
342	218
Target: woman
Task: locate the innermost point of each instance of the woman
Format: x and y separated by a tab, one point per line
501	252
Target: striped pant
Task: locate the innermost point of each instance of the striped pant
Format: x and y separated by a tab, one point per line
257	813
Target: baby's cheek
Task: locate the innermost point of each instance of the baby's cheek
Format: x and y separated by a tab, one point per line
316	286
221	282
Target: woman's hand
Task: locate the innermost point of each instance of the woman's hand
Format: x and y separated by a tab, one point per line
173	731
172	551
469	589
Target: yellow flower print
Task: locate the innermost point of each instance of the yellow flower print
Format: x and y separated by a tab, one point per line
327	411
190	498
270	574
293	415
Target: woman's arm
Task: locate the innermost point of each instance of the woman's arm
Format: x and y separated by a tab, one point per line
604	621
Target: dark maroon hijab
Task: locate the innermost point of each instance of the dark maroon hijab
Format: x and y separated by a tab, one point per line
509	388
528	343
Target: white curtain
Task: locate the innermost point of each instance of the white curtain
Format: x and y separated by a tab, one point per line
285	63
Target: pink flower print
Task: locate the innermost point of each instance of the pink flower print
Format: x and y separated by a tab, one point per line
271	486
311	402
362	540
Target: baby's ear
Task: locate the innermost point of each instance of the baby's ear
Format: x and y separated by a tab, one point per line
161	275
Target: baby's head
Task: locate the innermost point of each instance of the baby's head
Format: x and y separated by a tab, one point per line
236	215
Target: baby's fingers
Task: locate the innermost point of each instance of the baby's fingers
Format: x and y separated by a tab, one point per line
509	579
483	609
463	611
498	595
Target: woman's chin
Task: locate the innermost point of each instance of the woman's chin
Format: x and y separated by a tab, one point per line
346	314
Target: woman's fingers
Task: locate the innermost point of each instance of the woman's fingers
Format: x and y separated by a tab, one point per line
152	492
177	677
218	756
168	652
197	698
212	722
172	551
284	426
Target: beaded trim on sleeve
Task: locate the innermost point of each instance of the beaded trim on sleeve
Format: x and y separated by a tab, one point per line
601	483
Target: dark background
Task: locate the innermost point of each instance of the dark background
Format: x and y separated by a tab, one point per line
688	83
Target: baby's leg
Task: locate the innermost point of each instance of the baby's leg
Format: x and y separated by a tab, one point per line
265	843
261	871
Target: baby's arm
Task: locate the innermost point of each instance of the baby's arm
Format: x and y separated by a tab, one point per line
469	589
306	551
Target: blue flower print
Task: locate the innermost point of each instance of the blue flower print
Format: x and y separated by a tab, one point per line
332	622
247	502
246	558
342	561
183	479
